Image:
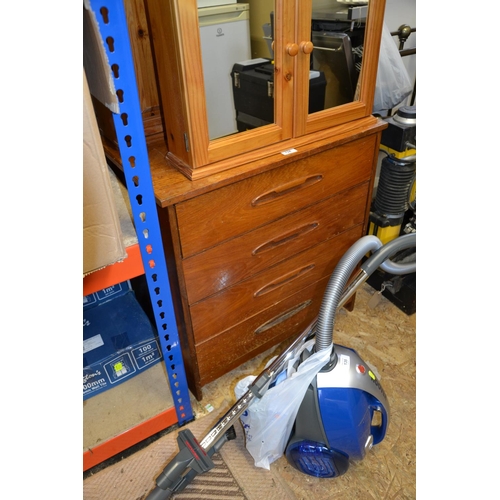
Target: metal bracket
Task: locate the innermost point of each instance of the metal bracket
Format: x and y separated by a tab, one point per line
113	28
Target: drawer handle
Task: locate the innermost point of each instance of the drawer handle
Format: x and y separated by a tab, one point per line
288	188
282	317
283	280
269	245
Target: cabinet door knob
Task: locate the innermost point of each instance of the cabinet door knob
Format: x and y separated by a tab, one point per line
306	47
292	49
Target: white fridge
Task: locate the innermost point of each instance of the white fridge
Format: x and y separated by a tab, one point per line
225	40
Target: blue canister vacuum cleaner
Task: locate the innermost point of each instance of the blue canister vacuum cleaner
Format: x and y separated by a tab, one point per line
344	411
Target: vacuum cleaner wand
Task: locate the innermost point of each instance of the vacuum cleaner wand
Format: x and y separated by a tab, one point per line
191	460
257	388
194	457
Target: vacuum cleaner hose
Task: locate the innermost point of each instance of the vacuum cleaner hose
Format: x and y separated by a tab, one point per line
381	258
344	269
336	285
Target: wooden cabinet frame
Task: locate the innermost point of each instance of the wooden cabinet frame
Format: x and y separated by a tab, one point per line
305	123
176	41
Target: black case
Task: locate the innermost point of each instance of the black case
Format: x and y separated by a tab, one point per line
253	93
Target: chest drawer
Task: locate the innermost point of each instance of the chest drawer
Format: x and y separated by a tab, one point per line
286	319
214	217
236	304
241	257
251	258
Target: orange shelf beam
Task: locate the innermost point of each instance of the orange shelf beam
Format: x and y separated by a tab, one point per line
129	438
131	267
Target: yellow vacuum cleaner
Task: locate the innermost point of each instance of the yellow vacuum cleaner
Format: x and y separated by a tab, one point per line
393	211
396	190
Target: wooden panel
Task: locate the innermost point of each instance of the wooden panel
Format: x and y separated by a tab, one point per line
151	120
239	258
213	218
162	21
235	209
176	40
172	187
286	319
239	302
140	43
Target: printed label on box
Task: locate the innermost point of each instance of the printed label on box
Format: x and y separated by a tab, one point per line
88	300
93	381
106	294
119	342
111	291
146	354
119	368
92	343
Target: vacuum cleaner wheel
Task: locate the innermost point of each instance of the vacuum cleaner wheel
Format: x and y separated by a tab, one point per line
316	459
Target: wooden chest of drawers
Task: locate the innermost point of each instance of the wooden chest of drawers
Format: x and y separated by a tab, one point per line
251	259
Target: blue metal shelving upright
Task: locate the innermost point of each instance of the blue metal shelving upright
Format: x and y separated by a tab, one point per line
111	20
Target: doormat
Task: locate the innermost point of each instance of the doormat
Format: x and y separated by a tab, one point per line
234	476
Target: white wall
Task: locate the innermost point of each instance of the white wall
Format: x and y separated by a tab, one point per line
398	12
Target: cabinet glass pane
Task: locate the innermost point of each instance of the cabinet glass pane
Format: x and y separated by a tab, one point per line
237	59
337	35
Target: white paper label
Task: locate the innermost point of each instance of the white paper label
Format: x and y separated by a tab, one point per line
344	361
288	151
92	343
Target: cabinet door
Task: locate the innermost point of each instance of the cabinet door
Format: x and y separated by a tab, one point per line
184	69
196	58
340	40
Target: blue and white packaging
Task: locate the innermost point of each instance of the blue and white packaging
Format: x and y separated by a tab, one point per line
119	341
109	293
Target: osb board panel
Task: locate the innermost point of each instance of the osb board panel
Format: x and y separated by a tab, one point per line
385	338
117	410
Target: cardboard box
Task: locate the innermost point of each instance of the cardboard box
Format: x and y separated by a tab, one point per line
119	342
106	294
102	236
96	64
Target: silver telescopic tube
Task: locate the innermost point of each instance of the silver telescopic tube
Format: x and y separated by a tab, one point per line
227	420
256	389
356	282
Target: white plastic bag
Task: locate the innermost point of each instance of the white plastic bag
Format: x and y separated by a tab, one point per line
393	83
268	421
